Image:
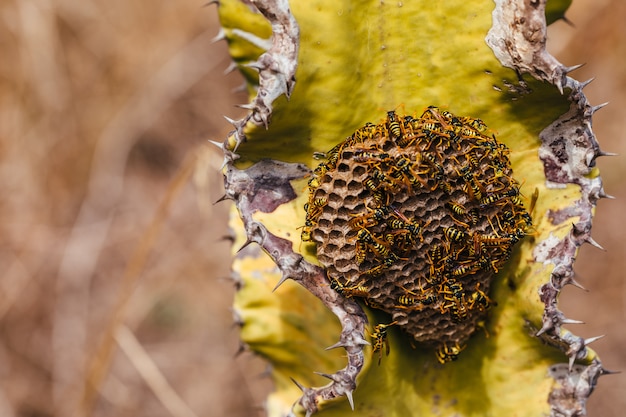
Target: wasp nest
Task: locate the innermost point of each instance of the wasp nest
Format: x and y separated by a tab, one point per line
415	216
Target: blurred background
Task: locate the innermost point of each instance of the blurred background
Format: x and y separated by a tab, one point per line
107	214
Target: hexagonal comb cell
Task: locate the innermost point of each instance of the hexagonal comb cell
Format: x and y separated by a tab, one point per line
415	216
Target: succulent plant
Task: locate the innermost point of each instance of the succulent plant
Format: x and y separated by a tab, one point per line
317	72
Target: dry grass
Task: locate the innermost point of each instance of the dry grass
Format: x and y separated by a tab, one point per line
114	298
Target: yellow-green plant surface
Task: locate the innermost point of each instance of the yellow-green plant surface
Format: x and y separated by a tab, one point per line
358	60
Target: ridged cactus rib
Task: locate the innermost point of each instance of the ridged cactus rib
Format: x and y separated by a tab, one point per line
343	84
568	152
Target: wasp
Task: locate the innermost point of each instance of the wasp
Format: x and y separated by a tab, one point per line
455	234
394	125
412	301
306	234
379	337
349	292
447	353
388	261
473	187
460	210
315	209
463	269
360	252
480	299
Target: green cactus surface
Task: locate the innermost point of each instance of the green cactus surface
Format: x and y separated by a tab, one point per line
355	61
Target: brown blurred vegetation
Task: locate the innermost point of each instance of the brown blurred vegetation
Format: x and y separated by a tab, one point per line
114	270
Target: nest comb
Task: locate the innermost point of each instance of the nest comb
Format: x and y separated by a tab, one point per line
415	216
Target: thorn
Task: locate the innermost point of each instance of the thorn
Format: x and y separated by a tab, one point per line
223	198
218	144
361	341
207	4
241	349
220	34
603	194
246	243
604	371
255	65
231	67
593	339
546	326
325	375
339	344
282	280
603	153
586	83
594	243
598	107
241	89
571	361
231	121
350	399
572	321
569	22
248	106
572	281
567	70
302	388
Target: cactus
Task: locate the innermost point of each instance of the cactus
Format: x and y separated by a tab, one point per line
316	73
